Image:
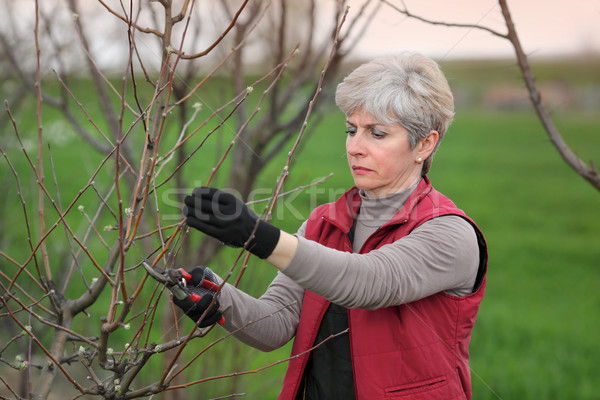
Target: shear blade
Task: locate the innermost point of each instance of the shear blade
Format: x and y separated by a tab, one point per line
163	277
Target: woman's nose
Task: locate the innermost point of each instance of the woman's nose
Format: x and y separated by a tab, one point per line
355	145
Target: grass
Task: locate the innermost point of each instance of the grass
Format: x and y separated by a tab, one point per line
535	337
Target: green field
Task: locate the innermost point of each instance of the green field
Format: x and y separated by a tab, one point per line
535	337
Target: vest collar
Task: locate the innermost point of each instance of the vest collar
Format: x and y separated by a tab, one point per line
348	206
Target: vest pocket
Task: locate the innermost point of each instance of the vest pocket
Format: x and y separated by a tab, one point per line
416	387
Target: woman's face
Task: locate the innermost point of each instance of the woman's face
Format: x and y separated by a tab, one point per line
380	157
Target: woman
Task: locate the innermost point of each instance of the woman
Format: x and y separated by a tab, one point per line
388	279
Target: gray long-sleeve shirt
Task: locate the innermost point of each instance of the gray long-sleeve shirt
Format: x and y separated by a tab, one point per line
440	255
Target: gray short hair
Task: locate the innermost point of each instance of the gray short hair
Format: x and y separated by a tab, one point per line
409	89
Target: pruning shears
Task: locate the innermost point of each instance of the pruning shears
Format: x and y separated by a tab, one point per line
177	280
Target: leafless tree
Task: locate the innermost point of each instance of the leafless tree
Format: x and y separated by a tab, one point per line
144	129
587	171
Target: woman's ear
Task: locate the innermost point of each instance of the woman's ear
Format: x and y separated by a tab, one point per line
427	145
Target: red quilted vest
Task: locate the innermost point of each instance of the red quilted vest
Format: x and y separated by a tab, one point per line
415	351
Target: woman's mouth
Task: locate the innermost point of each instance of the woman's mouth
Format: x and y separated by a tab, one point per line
360	170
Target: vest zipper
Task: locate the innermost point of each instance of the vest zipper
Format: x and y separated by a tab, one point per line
352	355
348	243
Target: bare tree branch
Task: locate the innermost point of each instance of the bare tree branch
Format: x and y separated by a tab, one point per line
127	21
220	38
588	172
405	11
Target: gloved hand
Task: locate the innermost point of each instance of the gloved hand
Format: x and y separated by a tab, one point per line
226	218
202	282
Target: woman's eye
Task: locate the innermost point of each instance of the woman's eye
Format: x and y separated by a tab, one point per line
350	130
378	134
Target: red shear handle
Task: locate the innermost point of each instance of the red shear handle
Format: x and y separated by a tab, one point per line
201	286
206	283
195	298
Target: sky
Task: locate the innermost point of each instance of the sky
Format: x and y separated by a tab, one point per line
546	28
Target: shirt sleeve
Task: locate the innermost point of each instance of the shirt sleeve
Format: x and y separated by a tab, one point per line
441	255
268	322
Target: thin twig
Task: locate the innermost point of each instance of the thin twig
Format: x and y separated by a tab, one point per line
442	23
285	171
220	38
42	347
45	321
39	172
296	189
254	371
25	215
252	115
26	293
61	215
139	28
222	62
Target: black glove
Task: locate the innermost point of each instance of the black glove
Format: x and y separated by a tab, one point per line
202	284
226	218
